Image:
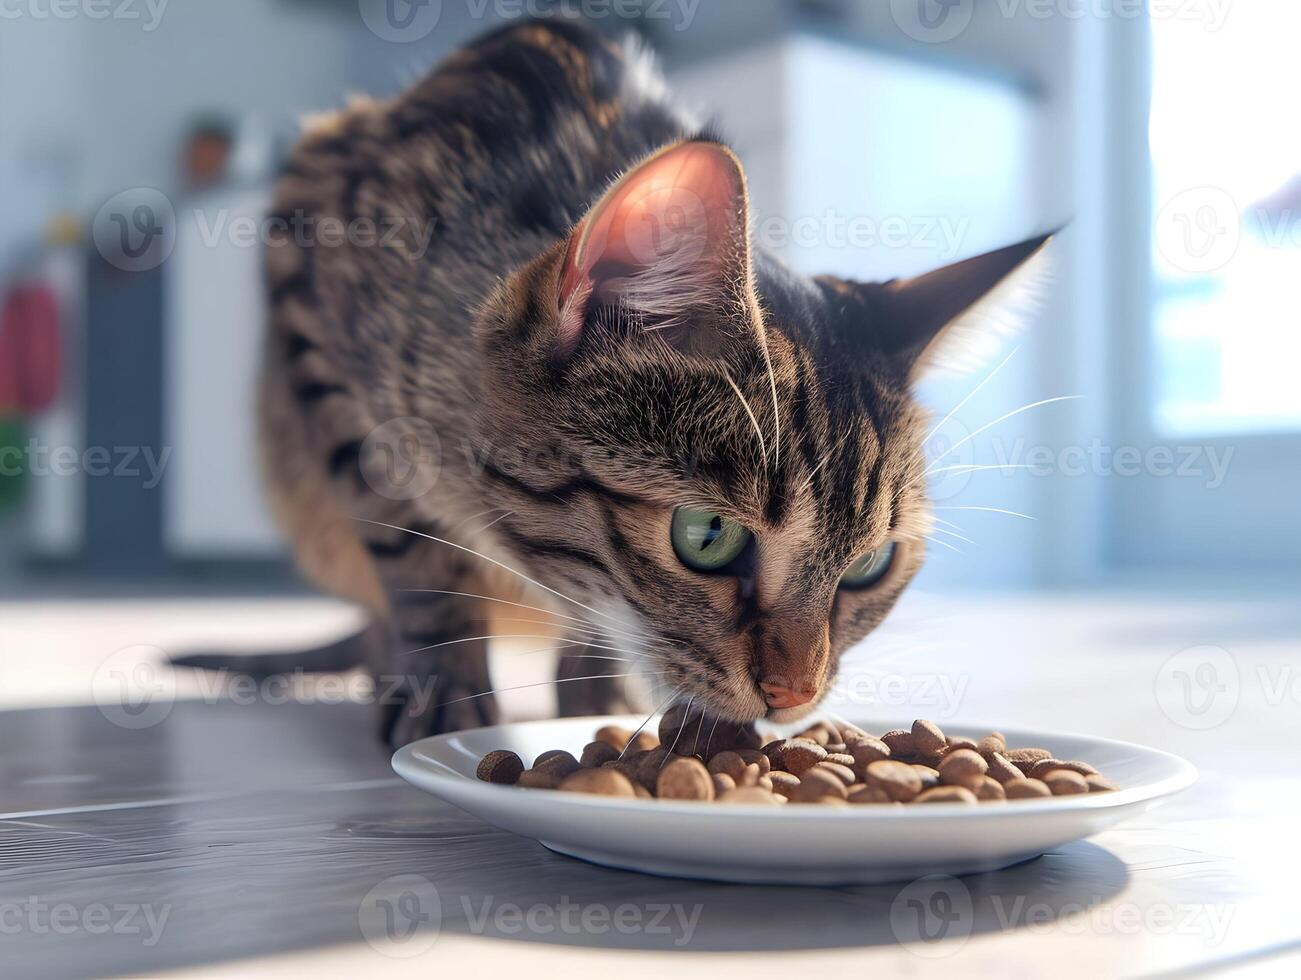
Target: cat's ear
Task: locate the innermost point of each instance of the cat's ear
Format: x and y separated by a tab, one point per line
668	239
950	317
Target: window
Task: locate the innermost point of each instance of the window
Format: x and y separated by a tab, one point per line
1226	165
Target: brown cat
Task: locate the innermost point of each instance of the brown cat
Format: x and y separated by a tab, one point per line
598	392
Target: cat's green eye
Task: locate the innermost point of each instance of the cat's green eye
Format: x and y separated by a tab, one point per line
706	541
869	569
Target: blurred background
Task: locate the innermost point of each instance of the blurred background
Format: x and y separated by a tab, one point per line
1140	439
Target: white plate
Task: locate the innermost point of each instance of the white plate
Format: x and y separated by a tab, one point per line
807	845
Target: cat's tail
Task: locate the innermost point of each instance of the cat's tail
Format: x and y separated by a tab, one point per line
356	650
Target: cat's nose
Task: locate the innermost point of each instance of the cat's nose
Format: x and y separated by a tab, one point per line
780	696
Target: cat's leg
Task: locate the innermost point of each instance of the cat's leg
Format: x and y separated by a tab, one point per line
433	677
597	693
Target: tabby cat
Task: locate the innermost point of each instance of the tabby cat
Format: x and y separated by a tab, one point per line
586	392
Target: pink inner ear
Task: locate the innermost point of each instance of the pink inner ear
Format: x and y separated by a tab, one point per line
676	217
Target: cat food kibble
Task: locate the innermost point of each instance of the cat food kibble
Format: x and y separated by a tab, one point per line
697	759
684	778
602	782
500	767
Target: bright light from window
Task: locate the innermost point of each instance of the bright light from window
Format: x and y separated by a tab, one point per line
1226	158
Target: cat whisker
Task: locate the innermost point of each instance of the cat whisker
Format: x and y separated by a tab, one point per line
494	521
953	534
992	510
492	561
941	520
763	449
509	636
520	605
561	680
654	711
483	513
685	716
942	544
980	467
1002	418
710	740
956	408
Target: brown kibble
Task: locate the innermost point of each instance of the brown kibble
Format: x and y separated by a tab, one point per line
559	761
843	773
1064	782
917	766
538	779
1025	789
1023	759
643	742
649	766
1001	769
728	762
749	794
898	779
773	750
757	757
929	777
1043	766
928	741
900	743
613	736
500	766
964	767
601	782
947	794
684	778
597	753
816	783
862	793
866	752
819	733
783	783
799	754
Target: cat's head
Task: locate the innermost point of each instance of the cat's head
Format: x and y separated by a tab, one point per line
708	450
